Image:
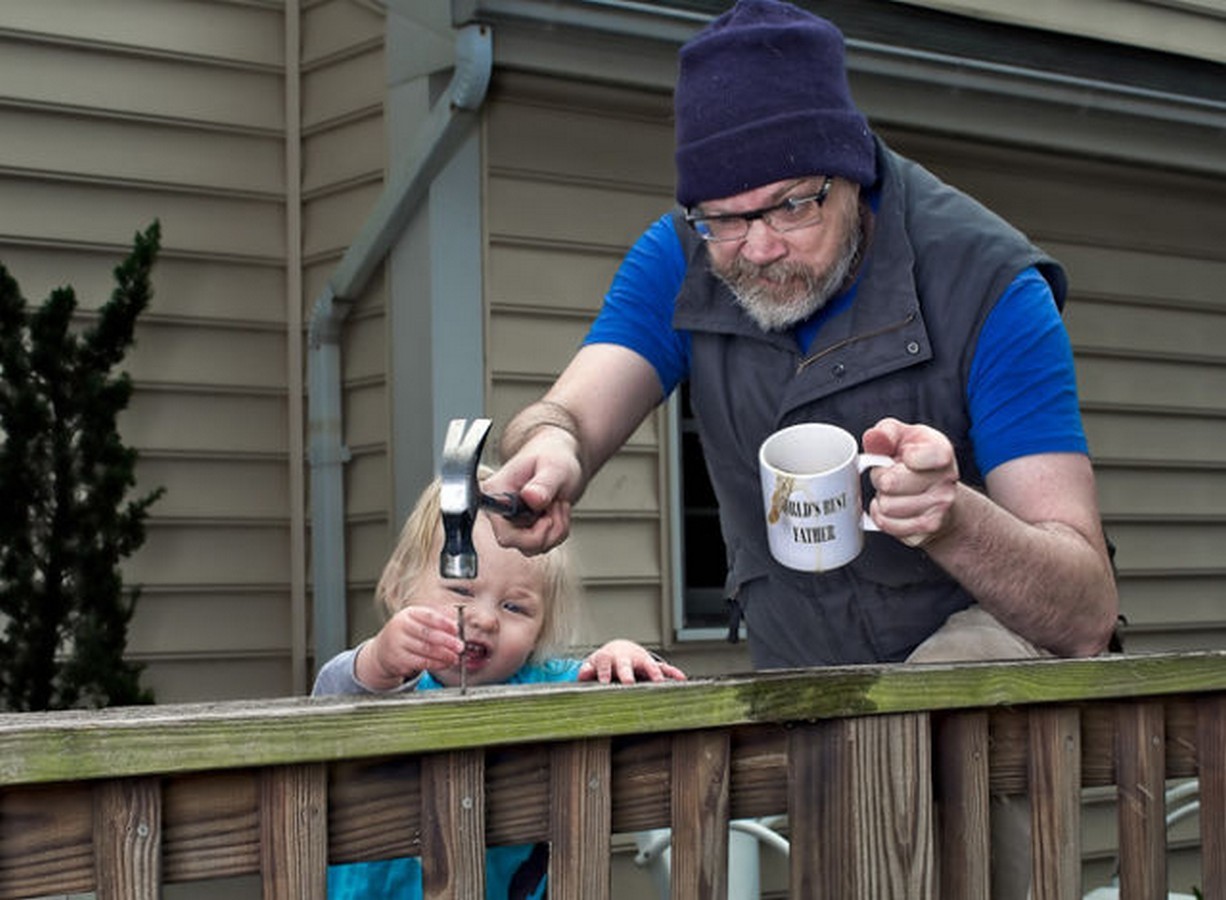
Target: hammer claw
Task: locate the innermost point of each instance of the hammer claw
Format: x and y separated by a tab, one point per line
463	444
460	497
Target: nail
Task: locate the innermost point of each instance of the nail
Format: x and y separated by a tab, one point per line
459	621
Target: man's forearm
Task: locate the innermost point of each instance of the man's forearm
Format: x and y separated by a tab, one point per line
1045	581
598	401
531	419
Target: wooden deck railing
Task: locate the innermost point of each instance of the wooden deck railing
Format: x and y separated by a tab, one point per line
860	759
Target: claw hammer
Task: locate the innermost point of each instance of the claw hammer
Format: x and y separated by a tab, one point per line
460	497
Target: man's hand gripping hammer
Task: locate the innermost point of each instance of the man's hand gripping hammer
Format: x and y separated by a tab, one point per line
460	497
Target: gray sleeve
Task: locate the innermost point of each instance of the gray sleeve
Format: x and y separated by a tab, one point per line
338	676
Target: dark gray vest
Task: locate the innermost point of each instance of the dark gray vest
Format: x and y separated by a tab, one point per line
937	263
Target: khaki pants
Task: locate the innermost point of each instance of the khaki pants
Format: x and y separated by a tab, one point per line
974	635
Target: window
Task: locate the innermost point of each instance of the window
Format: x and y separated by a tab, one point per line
700	611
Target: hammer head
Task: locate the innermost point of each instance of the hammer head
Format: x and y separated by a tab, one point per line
460	496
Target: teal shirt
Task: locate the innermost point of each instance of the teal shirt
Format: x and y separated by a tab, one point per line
400	879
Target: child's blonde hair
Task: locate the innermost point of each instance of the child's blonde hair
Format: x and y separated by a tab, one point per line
417	553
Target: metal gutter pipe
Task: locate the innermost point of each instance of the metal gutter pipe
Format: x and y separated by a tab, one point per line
437	139
296	405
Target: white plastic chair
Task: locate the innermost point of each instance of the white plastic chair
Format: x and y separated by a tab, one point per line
745	840
1182	800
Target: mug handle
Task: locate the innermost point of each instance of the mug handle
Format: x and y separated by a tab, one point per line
869	461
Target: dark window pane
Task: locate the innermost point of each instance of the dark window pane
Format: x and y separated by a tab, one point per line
704	551
705	559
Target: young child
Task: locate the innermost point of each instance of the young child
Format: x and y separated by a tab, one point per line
519	615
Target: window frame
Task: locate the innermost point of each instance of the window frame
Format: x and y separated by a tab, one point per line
684	597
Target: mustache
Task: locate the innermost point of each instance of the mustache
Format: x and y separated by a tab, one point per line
741	271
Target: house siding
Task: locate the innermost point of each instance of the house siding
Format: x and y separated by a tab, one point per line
1188	27
575	172
119	111
1147	320
344	162
115	113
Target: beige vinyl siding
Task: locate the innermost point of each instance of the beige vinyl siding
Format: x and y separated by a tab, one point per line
575	172
1147	319
343	164
114	113
182	108
1189	27
1146	316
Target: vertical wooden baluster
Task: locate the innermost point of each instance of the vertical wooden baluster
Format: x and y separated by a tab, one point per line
453	825
1211	766
294	832
700	805
860	809
818	774
128	838
897	760
965	844
1141	773
1055	803
582	820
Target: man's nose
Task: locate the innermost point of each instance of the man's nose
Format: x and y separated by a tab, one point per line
762	244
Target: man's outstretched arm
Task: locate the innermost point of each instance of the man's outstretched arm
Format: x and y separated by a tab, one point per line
555	446
1030	550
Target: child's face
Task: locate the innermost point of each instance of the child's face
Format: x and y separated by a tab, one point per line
504	610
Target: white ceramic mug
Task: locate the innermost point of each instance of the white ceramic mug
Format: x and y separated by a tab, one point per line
815	518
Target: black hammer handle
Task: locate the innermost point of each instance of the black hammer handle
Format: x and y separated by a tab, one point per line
510	506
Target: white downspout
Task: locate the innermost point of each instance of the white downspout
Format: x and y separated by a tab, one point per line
440	134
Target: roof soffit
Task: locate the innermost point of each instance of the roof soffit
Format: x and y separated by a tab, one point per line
936	59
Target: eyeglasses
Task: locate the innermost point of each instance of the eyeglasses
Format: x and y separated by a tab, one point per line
787	215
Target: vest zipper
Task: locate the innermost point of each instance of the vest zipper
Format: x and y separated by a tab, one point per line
839	345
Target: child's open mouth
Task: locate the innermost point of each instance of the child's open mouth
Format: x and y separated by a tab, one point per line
475	654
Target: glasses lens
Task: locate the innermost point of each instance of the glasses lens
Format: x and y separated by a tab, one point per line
797	213
730	229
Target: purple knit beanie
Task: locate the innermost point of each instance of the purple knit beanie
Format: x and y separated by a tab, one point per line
762	96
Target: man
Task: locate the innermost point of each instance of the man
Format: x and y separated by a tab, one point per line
815	275
811	274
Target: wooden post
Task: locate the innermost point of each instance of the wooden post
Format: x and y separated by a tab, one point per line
1211	765
1141	773
128	839
700	773
582	819
1055	802
860	809
963	806
453	825
294	832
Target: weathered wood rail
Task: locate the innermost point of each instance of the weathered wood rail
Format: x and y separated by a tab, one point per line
884	773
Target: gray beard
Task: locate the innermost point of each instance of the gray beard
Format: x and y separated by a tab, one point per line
791	291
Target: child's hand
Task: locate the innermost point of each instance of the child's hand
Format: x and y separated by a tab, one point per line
626	662
416	638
